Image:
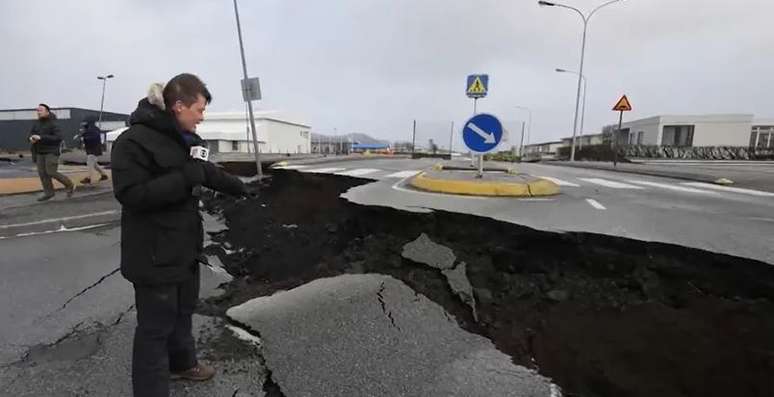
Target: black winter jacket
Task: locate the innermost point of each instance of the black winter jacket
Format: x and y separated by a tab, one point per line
161	229
50	136
92	140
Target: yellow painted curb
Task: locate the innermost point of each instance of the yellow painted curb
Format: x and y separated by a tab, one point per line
536	188
279	164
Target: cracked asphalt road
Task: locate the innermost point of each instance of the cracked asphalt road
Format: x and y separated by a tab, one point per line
68	316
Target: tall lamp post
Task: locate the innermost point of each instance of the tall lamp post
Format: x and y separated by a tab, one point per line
529	128
586	18
102	101
102	104
583	106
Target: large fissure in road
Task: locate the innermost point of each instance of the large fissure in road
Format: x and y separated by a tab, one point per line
602	316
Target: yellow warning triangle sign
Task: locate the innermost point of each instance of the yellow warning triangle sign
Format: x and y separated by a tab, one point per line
623	105
477	87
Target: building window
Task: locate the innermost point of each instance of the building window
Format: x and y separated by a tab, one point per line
234	146
677	135
640	136
763	140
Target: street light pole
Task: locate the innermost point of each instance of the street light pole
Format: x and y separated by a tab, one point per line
256	148
529	128
586	19
102	105
583	106
102	101
529	124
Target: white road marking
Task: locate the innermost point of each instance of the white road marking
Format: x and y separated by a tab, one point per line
559	181
730	189
358	172
61	229
64	219
611	184
325	170
596	204
290	167
671	187
403	174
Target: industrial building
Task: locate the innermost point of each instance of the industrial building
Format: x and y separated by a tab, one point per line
230	133
696	130
15	125
710	130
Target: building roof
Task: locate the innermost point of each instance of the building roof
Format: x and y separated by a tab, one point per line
231	126
273	115
367	146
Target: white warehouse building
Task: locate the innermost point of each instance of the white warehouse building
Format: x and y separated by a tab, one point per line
696	130
229	132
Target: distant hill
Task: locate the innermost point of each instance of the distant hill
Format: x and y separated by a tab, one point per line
355	137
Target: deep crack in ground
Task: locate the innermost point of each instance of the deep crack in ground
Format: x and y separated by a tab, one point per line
602	316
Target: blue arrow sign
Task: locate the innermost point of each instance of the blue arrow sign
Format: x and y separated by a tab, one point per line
482	133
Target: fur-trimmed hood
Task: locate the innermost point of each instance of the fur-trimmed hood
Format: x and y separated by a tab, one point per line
152	113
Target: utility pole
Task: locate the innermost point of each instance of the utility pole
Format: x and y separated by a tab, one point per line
451	140
256	148
414	139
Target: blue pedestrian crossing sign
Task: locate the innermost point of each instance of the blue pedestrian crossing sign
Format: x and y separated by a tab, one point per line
482	133
478	85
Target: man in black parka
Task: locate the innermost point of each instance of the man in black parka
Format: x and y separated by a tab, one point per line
157	183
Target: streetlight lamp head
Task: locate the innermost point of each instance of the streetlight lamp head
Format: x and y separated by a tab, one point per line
546	3
560	70
110	76
100	78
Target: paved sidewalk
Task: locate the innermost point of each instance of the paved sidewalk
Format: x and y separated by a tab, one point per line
31	184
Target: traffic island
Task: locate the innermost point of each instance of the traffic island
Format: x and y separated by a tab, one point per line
490	184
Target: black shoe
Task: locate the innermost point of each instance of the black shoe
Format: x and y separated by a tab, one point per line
85	181
103	178
46	197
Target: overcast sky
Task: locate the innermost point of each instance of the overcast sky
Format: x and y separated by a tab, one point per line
373	66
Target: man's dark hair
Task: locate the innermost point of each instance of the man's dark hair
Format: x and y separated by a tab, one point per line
185	88
48	109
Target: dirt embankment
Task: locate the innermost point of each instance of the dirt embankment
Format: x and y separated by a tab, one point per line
602	316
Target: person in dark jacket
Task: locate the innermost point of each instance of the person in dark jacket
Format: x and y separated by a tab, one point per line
92	143
46	140
157	183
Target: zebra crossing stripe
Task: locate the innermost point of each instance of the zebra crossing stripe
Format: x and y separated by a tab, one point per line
730	189
325	170
611	184
358	172
672	187
559	181
403	174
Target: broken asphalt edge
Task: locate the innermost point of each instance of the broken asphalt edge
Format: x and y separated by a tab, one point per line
535	188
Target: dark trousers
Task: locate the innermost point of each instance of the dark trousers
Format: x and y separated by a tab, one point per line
48	165
163	341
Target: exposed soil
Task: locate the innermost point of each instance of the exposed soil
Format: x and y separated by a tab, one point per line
602	316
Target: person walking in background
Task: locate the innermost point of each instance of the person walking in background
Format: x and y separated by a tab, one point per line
92	143
46	140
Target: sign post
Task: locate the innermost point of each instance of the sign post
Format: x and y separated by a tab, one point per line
623	105
481	134
477	87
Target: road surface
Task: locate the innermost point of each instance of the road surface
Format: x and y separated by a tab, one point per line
727	220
